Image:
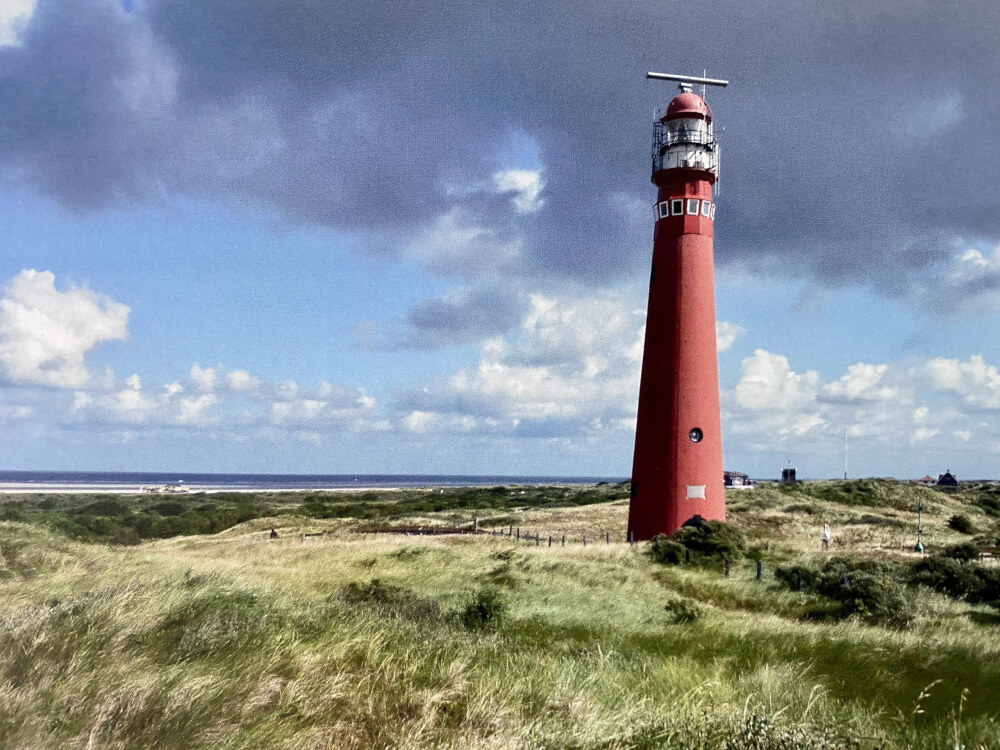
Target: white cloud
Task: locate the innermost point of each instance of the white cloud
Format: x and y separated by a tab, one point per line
205	378
420	421
768	382
455	245
861	383
968	285
329	405
194	410
726	334
526	186
241	380
14	16
45	334
974	381
572	366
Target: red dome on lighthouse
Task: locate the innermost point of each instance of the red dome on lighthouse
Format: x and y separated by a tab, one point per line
688	104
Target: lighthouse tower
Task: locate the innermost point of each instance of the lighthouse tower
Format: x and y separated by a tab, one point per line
677	466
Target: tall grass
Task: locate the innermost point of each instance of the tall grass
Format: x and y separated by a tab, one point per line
351	640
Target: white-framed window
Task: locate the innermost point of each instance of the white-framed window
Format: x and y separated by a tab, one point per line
693	204
713	212
706	209
664	209
677	206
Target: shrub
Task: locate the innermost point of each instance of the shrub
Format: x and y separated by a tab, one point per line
168	508
964	552
486	610
712	541
962	524
790	576
870	589
102	507
948	575
667	551
875	599
682	611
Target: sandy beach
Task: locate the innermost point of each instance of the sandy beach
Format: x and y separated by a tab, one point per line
49	488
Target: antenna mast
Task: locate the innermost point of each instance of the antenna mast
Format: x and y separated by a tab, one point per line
845	453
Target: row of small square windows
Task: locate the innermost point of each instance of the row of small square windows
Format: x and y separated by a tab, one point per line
675	207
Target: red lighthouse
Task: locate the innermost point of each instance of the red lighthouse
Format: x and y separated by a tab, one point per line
677	465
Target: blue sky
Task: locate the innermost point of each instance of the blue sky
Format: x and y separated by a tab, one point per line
301	237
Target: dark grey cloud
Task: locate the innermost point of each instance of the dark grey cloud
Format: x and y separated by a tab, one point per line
858	144
464	317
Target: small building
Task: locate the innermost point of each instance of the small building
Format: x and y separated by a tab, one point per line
947	480
737	480
788	476
927	481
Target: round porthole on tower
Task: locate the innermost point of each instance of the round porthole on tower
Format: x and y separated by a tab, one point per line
696	435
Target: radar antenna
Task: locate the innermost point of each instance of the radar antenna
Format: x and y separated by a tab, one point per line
687	79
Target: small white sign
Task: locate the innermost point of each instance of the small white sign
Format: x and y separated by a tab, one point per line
696	492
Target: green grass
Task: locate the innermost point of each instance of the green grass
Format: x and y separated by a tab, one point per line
351	640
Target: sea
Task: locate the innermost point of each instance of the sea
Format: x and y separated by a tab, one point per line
45	480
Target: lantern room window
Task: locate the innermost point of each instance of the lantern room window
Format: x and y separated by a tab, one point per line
677	207
706	208
693	204
688	130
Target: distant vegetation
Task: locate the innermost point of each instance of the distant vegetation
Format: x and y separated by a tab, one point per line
334	636
128	520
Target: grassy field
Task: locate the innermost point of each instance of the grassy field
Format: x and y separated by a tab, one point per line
331	637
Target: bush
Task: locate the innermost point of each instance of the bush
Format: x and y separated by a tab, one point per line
667	551
682	611
873	598
712	541
704	543
870	589
962	524
790	576
948	575
964	552
486	610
